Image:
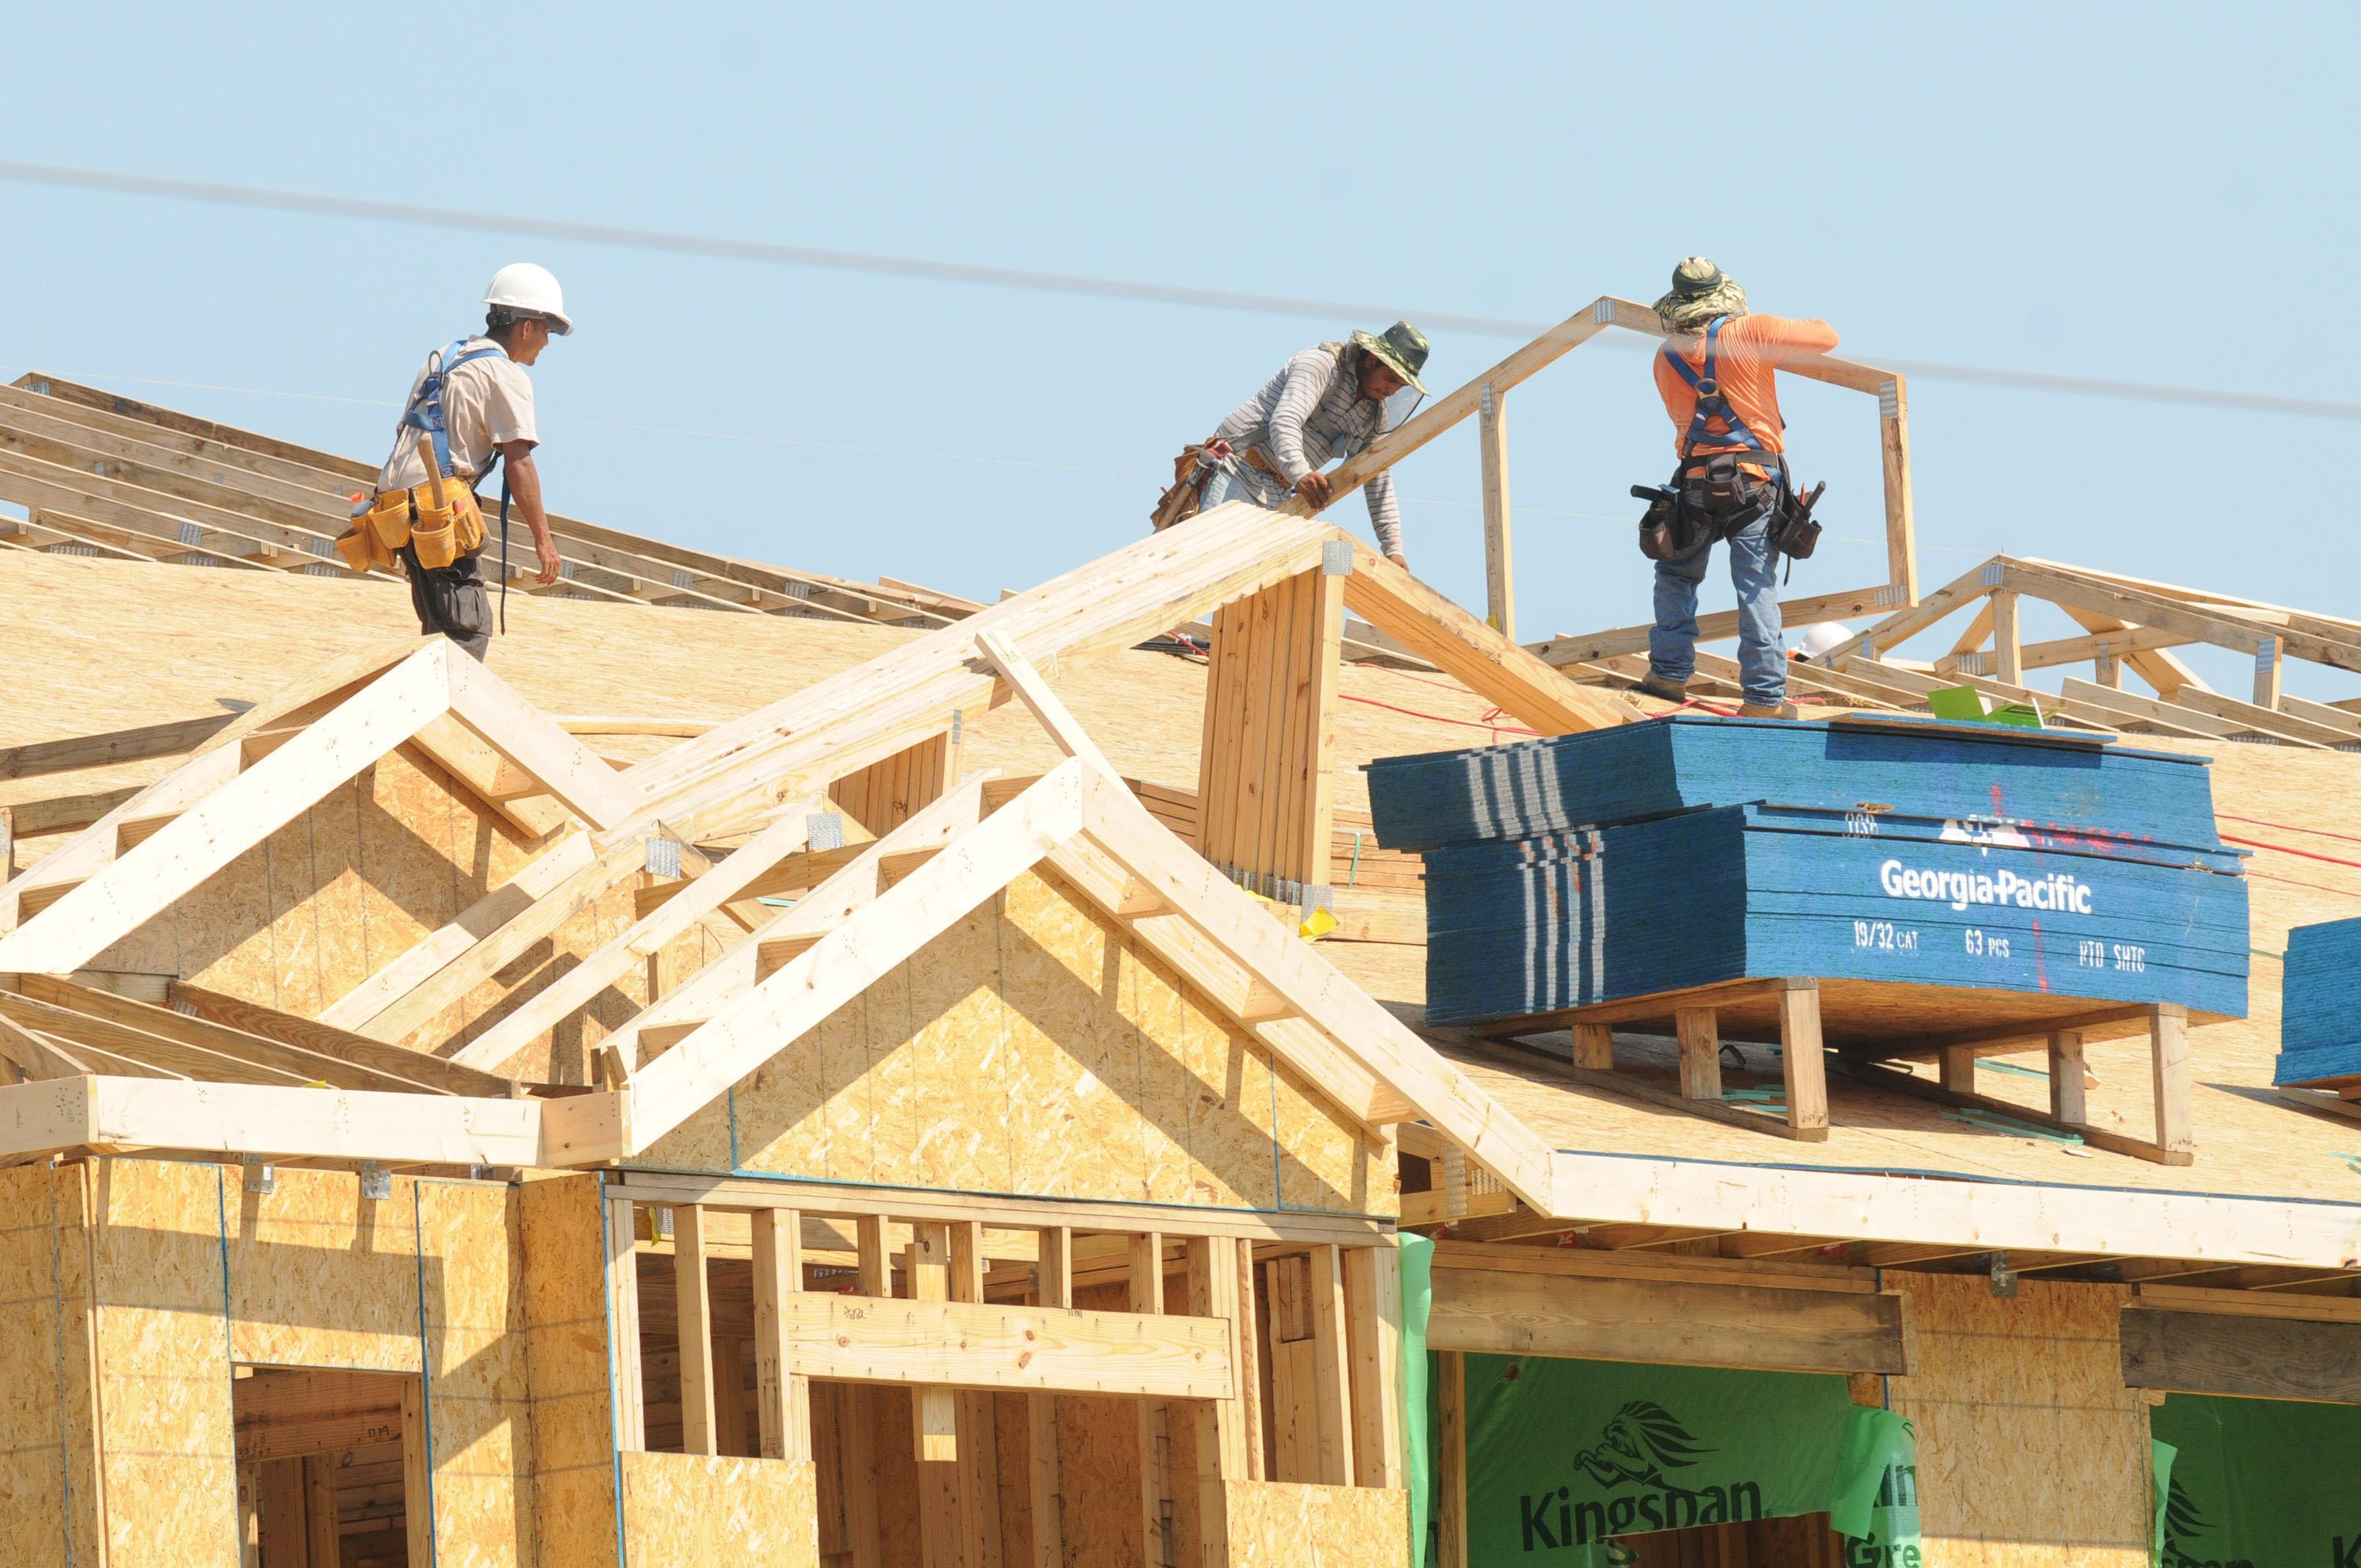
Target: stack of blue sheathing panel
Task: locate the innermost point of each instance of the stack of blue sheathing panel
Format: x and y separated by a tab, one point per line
1691	851
2319	1010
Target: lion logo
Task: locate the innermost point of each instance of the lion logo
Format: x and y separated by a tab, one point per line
1638	1445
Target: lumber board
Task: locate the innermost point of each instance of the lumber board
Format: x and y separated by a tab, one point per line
252	1019
1487	664
1112	602
418	1004
1847	604
118	1113
171	738
161	1038
960	1345
860	1201
1504	1312
2246	1357
646	937
2018	1217
548	871
1355	1022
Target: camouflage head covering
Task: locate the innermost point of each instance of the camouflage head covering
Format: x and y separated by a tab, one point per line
1700	292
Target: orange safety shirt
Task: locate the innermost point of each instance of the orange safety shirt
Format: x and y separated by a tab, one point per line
1746	353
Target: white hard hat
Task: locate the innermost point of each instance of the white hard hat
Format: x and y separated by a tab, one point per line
1819	640
522	286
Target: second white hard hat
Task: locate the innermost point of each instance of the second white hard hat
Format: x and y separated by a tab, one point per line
1819	640
522	286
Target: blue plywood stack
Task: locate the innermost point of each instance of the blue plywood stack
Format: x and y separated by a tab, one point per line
1691	851
2320	1014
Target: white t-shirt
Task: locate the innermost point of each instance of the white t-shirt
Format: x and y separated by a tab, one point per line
487	403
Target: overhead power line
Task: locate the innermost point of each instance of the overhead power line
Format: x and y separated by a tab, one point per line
312	204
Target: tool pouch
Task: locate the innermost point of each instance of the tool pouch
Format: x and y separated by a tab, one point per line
1663	535
361	549
1798	532
1192	471
388	520
441	535
1723	496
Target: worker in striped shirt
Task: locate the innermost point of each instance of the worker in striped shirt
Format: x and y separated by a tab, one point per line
1326	402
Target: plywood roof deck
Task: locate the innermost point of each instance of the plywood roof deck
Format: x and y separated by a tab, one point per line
100	645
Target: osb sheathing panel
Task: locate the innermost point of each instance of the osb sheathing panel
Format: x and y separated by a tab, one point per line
315	1277
353	882
2030	1449
2298	811
700	1512
321	1276
566	1359
168	1460
1033	1048
479	1417
48	1494
1279	1524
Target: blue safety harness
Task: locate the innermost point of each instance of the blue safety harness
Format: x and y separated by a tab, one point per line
1710	402
426	414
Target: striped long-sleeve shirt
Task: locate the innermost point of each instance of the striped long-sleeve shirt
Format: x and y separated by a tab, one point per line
1311	411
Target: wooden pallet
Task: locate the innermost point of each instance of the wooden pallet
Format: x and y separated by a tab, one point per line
1859	1028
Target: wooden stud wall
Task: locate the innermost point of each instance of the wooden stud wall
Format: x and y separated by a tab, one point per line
883	796
1266	808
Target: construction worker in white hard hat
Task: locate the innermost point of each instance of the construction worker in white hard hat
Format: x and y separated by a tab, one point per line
469	408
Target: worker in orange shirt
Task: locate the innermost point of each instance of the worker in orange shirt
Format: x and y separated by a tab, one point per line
1716	375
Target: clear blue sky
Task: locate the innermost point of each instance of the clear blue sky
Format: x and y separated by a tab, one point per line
2156	194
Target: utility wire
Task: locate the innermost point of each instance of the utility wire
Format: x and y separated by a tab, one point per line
315	204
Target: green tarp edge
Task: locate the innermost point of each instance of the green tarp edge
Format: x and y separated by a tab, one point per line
1417	1379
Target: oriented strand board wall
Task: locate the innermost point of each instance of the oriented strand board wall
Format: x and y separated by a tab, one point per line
351	884
479	1419
310	1275
2031	1451
49	1495
1033	1049
685	1510
170	1460
1277	1524
566	1356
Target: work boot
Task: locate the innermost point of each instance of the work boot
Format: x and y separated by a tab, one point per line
1766	711
1655	685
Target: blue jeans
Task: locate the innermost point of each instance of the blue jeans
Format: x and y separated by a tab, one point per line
1251	485
1754	571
